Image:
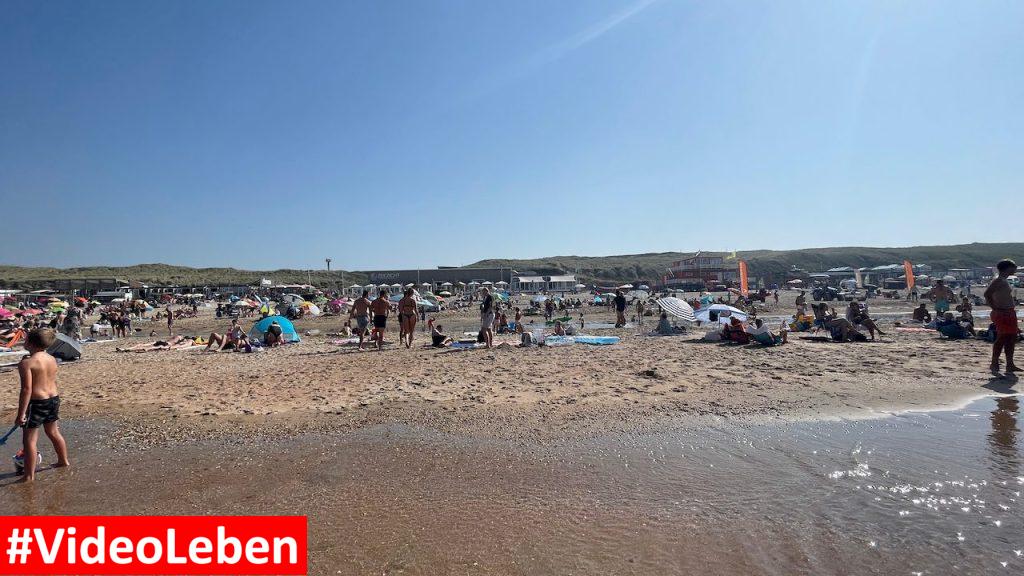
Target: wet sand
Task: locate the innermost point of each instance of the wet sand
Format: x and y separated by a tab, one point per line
929	493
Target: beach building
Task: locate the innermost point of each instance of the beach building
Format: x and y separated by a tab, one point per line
703	269
439	277
536	284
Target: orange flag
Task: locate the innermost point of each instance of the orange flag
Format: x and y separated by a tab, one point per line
743	279
908	269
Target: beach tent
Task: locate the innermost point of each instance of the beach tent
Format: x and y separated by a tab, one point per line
65	347
539	298
724	313
677	308
311	309
259	329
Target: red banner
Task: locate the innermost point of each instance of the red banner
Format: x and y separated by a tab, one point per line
744	288
908	269
154	545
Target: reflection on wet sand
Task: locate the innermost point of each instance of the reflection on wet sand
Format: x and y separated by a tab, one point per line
1003	438
930	493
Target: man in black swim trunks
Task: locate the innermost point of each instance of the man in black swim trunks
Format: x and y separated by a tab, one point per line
620	309
380	308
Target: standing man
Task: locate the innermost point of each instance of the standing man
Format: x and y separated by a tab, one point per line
361	312
380	308
640	312
170	320
620	309
487	317
999	296
941	295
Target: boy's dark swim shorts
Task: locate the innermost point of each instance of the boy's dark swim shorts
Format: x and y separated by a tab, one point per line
42	412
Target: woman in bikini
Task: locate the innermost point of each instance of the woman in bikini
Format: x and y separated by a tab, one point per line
407	317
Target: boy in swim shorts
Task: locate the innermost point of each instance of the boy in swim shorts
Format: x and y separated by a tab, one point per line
38	402
999	296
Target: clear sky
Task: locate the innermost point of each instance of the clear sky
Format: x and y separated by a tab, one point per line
418	133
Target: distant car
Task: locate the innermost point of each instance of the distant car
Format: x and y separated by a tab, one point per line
825	294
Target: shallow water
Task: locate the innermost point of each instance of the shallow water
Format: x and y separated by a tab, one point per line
928	493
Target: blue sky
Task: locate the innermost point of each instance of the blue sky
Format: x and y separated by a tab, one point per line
418	133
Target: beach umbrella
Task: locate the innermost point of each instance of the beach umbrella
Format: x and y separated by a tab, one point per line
795	282
724	313
444	293
65	347
581	286
540	298
677	308
446	284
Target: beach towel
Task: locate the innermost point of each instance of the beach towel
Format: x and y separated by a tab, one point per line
596	340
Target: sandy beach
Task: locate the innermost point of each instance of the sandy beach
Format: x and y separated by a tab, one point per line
643	383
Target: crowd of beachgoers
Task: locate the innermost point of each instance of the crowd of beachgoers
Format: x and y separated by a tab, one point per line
599	360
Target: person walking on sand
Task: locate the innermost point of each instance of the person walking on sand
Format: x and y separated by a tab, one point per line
487	317
361	312
380	308
407	317
640	312
999	296
170	321
39	401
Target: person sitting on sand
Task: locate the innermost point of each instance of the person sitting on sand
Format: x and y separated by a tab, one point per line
438	339
948	326
858	316
734	332
921	314
234	338
763	335
964	307
274	336
842	330
346	329
559	329
664	326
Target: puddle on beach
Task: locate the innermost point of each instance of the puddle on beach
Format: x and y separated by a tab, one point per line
920	493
